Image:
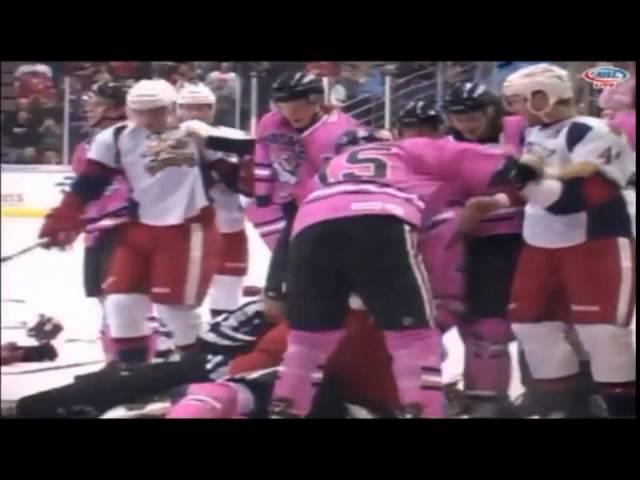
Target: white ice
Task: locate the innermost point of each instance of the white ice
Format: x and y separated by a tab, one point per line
50	281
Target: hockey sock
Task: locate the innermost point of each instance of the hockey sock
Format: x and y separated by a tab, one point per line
207	400
417	369
132	351
620	398
301	370
487	367
225	291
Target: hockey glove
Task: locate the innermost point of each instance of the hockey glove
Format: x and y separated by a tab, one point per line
518	172
63	224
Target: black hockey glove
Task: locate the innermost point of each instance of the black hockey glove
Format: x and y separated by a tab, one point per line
515	172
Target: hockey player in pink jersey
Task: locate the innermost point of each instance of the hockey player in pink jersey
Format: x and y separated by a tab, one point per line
293	143
196	101
490	250
105	106
356	233
438	240
420	118
579	254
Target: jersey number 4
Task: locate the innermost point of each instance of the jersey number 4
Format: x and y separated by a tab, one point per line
609	155
359	165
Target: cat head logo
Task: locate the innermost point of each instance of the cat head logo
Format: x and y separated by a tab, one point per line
605	76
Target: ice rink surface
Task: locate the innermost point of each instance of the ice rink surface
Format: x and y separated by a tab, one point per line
50	281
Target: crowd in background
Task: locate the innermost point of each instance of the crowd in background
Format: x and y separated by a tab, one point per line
33	131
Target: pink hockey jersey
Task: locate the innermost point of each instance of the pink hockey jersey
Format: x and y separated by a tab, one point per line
626	122
409	179
286	160
116	196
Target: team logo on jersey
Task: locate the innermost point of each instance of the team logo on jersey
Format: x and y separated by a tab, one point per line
168	151
605	77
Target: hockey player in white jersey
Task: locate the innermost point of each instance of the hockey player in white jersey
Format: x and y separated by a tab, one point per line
197	102
579	255
166	254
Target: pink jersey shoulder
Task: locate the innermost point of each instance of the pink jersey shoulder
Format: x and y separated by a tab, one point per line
626	122
513	128
270	121
79	158
342	119
428	153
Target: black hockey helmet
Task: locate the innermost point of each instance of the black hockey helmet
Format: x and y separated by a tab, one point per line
296	86
114	92
419	112
360	136
467	97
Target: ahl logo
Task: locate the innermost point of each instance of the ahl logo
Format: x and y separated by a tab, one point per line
605	77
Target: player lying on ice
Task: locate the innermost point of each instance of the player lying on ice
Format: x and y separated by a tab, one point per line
231	372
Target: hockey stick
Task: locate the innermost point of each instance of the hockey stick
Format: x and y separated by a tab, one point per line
43	242
40	243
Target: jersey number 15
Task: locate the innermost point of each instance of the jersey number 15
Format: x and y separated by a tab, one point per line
362	164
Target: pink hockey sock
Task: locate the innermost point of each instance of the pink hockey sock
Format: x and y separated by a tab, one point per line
417	369
207	400
301	370
487	362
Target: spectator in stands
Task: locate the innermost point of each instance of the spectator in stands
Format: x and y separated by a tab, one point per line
323	69
26	156
361	81
102	75
51	157
51	135
224	84
123	70
23	132
42	108
34	80
223	81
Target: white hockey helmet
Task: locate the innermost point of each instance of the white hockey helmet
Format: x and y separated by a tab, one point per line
150	94
552	80
196	94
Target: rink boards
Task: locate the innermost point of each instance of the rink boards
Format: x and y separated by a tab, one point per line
29	191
